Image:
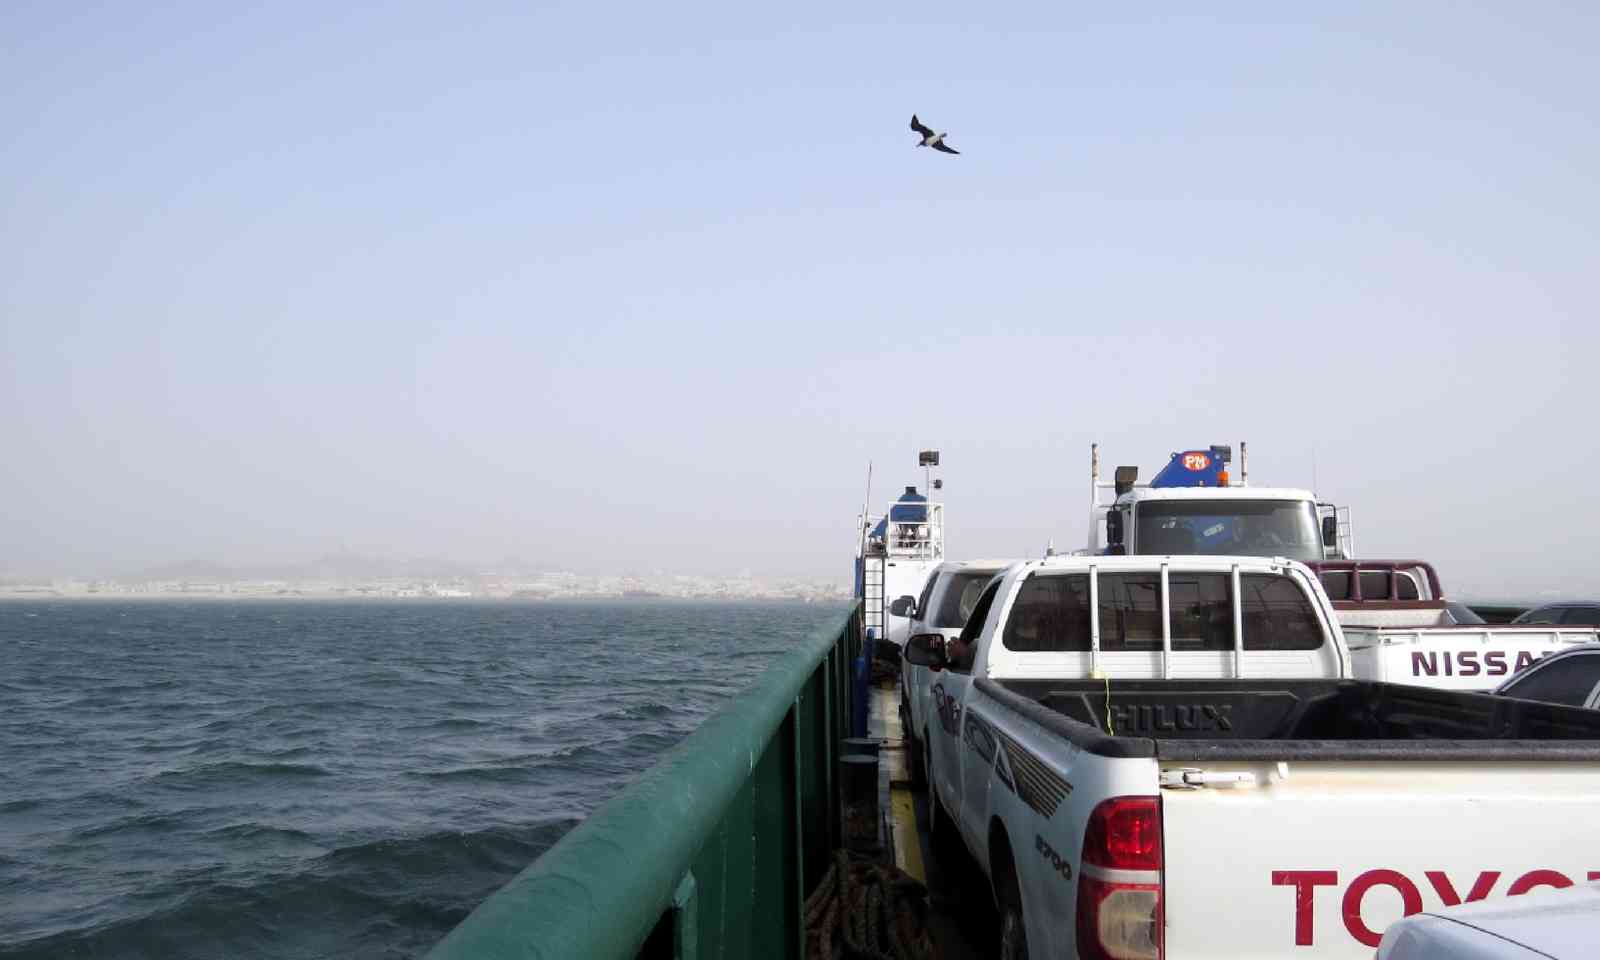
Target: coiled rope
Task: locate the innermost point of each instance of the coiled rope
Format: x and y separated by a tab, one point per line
866	909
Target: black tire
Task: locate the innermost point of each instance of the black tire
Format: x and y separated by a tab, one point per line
1013	931
942	834
918	764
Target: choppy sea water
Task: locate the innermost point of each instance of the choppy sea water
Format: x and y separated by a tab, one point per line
326	779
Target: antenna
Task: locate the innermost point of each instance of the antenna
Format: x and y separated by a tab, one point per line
927	460
866	505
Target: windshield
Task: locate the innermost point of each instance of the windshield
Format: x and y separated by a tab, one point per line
1238	528
959	597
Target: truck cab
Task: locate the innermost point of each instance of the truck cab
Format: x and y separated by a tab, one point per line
1195	506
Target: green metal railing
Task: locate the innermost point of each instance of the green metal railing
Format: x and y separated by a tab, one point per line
710	853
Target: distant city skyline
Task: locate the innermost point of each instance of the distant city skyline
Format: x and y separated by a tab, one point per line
549	585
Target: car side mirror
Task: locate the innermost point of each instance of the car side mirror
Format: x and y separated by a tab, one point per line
1330	531
903	607
1114	528
926	650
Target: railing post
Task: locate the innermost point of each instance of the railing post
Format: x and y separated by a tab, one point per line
686	928
797	772
829	739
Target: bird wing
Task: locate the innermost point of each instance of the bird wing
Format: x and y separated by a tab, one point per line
920	127
943	147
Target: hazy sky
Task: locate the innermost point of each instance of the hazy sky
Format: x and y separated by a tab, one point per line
646	287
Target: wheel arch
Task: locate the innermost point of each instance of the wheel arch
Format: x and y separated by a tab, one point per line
1002	860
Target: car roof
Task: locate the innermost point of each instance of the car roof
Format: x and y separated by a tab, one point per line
976	566
1565	652
1141	562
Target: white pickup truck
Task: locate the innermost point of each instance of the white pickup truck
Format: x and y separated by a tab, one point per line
1181	805
1400	628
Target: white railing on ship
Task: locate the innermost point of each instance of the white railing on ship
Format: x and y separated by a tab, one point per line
910	539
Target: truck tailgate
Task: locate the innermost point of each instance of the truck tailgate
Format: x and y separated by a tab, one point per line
1316	859
1454	658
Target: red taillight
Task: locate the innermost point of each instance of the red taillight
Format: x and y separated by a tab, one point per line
1124	833
1119	882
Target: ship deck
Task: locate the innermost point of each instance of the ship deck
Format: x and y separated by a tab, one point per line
961	908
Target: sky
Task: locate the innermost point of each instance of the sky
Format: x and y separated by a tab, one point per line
647	288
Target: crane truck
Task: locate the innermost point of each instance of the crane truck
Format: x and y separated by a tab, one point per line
1194	505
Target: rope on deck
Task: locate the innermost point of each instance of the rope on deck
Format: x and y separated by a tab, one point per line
866	909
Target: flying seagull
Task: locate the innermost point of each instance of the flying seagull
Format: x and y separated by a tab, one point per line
929	138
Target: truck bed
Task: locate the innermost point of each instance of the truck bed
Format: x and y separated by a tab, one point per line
1298	720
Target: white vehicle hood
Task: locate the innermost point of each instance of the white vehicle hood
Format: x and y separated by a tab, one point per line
1561	924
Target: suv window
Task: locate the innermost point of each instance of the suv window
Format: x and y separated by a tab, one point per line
974	628
1568	680
1277	614
959	599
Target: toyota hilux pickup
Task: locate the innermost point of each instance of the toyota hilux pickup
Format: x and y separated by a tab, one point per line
1158	763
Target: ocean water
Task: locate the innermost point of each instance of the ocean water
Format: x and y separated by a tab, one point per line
326	779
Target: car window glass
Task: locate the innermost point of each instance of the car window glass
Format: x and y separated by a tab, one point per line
927	593
1566	680
959	599
1337	584
1374	585
1130	611
1202	610
1408	587
974	627
1540	615
1051	613
1277	614
1581	617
